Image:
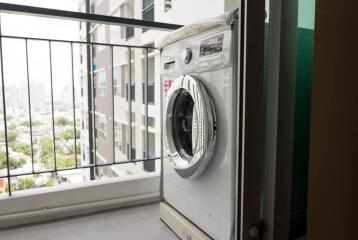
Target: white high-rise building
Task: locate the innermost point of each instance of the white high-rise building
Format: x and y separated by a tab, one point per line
112	120
37	93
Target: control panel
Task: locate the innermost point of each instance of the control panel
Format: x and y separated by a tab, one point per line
200	53
211	46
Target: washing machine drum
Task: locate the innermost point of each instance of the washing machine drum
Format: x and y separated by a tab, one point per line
190	126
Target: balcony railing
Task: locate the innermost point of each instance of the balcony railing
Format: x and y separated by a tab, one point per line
91	99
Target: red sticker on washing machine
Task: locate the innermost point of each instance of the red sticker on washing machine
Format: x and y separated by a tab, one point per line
167	84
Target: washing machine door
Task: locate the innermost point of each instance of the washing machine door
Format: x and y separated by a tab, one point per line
190	125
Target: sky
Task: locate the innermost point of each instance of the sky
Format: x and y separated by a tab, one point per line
38	52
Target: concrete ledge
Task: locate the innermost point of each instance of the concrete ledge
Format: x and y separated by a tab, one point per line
40	205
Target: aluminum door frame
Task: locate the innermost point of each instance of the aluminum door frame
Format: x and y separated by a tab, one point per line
250	126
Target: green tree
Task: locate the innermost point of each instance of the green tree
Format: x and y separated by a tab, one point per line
46	148
61	162
34	123
12	126
66	135
25	183
49	183
13	186
61	121
21	148
71	149
14	163
59	150
11	135
65	161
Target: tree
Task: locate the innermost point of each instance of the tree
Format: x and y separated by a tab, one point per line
25	183
12	126
46	147
61	121
34	123
13	163
66	135
49	183
13	186
21	148
71	149
11	135
65	161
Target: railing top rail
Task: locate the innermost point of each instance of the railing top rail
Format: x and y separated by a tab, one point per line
78	42
86	17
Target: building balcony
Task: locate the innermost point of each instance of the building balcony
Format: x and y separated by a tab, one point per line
70	141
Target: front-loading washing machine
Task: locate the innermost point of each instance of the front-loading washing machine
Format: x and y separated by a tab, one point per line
200	99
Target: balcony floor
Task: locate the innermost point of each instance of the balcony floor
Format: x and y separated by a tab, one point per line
123	224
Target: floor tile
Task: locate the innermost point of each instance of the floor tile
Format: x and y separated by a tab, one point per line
136	223
27	233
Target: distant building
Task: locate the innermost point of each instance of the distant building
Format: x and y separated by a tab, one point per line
12	97
37	96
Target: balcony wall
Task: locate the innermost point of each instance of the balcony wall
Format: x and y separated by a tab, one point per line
44	204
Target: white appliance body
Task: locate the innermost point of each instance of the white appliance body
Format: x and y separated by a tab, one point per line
199	155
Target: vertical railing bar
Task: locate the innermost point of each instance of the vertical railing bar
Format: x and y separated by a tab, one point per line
52	106
74	105
93	109
146	104
29	102
130	102
113	87
4	113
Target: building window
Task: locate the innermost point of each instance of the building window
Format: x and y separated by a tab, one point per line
150	87
126	10
150	93
100	84
132	92
167	5
133	152
129	32
148	11
149	165
133	117
132	76
100	37
101	128
116	81
151	121
118	136
92	8
123	80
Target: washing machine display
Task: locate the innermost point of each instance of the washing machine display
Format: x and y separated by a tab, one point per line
190	126
211	45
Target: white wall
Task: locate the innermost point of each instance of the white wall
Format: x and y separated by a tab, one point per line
36	205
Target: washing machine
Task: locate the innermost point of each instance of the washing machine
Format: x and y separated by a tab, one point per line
200	99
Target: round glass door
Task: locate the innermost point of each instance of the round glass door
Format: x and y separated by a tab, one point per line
190	126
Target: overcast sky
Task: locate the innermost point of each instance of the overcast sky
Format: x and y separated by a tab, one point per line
14	50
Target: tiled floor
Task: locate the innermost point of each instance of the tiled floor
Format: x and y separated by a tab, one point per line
125	224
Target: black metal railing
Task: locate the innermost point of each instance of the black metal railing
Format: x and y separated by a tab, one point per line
19	9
